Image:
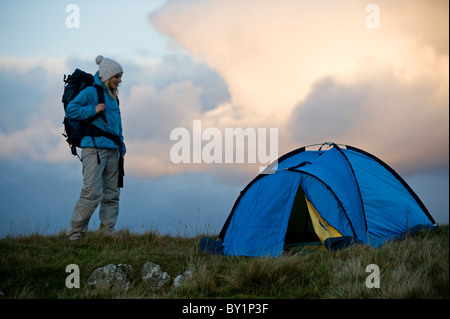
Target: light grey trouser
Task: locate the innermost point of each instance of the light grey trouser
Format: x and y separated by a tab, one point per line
99	186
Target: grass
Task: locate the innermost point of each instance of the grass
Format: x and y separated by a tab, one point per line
33	266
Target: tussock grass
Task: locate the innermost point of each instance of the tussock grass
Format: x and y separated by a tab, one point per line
33	266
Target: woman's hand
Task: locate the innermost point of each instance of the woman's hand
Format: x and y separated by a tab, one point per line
100	108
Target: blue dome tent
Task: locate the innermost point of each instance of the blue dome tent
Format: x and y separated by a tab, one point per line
340	196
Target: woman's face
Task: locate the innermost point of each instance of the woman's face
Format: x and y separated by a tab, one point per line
115	81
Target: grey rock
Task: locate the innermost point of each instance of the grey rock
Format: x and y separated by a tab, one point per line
111	277
181	278
153	274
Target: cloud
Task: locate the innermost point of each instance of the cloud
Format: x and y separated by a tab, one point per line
404	122
40	141
315	70
148	119
31	121
155	97
24	86
177	68
284	65
162	96
425	22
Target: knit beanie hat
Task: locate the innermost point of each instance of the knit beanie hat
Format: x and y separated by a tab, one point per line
107	68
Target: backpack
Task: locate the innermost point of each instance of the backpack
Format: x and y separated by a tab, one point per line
76	130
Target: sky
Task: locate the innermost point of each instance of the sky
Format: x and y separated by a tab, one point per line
371	74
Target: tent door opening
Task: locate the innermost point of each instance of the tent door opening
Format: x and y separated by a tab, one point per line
300	227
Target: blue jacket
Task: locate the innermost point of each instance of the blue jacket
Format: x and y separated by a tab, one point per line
83	107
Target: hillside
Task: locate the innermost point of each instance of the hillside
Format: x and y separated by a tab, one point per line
34	266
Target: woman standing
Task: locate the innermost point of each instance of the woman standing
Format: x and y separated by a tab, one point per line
102	156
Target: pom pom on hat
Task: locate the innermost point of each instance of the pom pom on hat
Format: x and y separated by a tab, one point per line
107	68
99	59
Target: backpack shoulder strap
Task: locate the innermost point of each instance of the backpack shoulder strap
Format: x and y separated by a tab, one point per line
101	99
100	94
